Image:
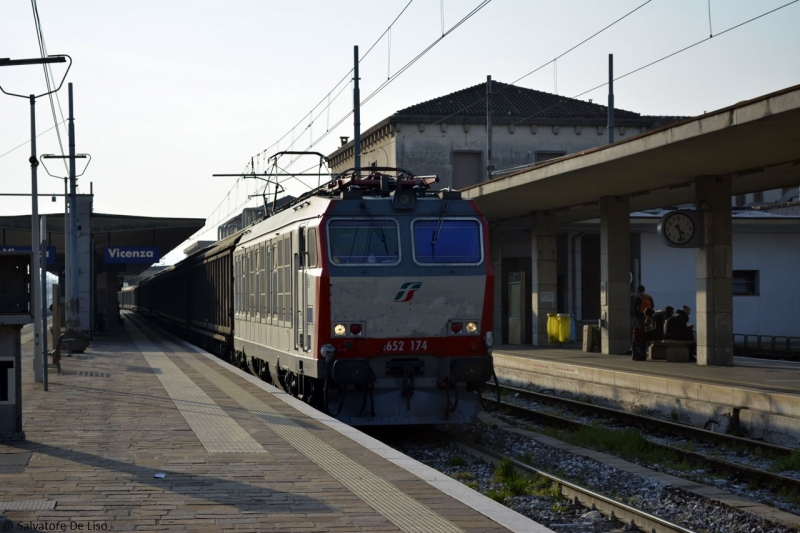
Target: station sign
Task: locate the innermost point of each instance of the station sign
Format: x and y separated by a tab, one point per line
131	254
50	251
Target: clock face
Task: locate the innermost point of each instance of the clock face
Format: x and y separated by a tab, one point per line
679	228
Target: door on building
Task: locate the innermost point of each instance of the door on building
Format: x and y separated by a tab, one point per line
516	307
466	169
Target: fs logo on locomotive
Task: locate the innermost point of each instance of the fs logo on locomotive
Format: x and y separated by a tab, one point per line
407	291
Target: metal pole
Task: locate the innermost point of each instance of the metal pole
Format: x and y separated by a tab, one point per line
489	166
35	266
66	239
72	290
610	98
43	252
356	115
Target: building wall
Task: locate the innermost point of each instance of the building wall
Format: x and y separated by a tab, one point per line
669	274
775	310
429	150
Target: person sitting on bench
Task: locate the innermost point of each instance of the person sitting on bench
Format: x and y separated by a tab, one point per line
677	328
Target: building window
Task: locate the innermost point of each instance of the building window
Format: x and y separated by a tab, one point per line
544	156
745	282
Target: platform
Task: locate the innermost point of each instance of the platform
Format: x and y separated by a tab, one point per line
144	432
757	396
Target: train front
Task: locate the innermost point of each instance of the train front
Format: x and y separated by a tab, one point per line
410	288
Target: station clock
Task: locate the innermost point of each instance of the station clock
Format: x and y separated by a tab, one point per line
682	229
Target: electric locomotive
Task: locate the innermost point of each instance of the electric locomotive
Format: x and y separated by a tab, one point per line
369	297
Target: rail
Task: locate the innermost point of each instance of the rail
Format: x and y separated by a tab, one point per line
770	480
635	519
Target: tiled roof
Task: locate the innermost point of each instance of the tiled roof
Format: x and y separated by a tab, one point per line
660	120
515	102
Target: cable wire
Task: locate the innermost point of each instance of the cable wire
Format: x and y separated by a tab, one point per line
48	74
625	75
405	67
499	91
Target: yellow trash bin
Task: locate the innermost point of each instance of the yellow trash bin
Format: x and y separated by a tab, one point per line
552	328
564	327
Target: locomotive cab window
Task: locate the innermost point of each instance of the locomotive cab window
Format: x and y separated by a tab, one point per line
447	242
363	242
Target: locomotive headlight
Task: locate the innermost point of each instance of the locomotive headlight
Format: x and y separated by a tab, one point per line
339	329
472	327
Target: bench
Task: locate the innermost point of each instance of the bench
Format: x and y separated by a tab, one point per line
670	351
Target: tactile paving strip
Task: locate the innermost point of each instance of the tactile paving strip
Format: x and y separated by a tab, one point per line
28	505
217	431
397	506
14	463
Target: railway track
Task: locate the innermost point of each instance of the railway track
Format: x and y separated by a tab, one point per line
740	472
628	517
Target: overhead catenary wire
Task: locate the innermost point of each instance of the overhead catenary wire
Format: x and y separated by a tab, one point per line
48	74
383	85
629	73
344	78
583	92
405	67
325	109
499	91
38	134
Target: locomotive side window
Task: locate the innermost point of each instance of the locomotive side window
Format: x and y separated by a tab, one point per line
447	242
287	280
262	273
237	285
363	242
311	247
274	282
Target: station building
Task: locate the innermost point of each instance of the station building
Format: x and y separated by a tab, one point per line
447	136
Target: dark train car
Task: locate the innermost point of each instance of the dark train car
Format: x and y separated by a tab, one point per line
193	298
127	298
210	305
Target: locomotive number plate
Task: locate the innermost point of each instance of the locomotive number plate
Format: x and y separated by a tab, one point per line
401	346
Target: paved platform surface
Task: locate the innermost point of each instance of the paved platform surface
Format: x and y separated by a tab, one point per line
143	432
781	377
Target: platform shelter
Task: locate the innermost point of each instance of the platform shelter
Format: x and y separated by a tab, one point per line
111	247
700	162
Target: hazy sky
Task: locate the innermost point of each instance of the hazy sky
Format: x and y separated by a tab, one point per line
169	92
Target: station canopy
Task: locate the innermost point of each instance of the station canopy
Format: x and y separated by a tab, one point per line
756	142
107	230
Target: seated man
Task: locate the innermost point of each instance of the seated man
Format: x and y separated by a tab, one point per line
677	328
655	325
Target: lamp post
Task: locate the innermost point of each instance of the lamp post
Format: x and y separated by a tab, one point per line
39	328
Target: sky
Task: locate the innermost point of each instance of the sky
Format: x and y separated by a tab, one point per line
169	92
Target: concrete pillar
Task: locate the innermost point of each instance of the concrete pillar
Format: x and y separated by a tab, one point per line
575	273
715	273
496	243
615	271
544	273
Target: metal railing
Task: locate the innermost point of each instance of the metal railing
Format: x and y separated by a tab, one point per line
766	342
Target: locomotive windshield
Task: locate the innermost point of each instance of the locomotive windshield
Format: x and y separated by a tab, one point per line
447	241
362	242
